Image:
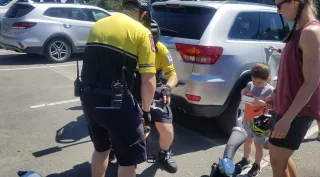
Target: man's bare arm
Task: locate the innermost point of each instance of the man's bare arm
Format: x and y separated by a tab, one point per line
148	87
172	81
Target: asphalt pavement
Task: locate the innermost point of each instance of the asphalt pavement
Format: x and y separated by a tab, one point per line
42	128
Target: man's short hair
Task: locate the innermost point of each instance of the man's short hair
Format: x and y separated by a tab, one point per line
261	71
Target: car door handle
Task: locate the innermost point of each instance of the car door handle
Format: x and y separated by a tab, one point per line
67	25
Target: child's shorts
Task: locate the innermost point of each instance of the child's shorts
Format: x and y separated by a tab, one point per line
257	139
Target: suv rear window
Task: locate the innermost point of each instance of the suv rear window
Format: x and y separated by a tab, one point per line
183	21
18	10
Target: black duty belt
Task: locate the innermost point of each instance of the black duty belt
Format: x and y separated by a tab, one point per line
98	91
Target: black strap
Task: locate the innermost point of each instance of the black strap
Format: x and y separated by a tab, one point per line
98	91
78	75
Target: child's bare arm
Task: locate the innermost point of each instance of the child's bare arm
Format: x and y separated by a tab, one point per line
246	90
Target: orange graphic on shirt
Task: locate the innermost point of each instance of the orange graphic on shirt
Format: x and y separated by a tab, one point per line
252	111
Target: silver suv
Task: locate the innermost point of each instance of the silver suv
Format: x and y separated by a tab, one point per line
214	45
55	30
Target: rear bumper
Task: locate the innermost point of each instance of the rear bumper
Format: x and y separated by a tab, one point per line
208	111
31	50
19	46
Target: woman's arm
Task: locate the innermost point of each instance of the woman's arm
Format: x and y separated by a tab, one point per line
310	45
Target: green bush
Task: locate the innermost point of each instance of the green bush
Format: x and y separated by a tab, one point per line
107	4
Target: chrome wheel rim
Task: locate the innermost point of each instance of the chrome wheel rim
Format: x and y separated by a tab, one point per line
59	50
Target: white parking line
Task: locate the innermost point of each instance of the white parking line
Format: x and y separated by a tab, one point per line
54	103
38	67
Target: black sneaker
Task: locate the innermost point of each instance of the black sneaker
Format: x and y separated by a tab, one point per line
254	171
112	156
244	163
165	158
318	138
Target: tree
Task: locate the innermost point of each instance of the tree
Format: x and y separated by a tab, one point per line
107	4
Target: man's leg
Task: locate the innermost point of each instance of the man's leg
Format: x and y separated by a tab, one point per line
99	163
99	136
127	137
166	138
166	135
163	122
126	171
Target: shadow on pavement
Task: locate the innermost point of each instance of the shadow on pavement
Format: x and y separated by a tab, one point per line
68	134
24	59
84	170
310	140
73	131
184	142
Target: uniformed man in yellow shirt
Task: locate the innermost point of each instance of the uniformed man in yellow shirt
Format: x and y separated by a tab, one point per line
161	113
115	46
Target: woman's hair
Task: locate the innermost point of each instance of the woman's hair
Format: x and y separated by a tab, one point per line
302	4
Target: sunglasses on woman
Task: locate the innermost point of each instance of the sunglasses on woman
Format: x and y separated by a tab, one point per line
280	4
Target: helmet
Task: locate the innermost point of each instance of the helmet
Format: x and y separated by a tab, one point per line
155	30
260	125
143	5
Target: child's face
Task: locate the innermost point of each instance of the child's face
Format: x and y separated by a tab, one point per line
258	82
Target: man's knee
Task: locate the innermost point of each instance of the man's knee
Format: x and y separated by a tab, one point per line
165	129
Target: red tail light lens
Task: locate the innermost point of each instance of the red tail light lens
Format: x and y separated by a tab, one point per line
193	97
23	25
199	54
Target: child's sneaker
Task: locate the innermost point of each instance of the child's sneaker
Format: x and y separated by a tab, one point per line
244	163
254	171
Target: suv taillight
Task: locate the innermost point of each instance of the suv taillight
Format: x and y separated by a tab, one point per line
199	54
23	25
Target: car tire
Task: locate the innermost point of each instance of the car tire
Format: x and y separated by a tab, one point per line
233	115
58	50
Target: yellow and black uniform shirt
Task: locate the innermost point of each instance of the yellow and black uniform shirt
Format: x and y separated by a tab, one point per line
163	63
114	38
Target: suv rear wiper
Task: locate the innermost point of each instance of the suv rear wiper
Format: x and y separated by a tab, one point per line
168	30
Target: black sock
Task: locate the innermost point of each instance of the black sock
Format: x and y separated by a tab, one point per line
163	151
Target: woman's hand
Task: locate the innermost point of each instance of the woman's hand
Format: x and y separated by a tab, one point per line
281	128
273	48
269	101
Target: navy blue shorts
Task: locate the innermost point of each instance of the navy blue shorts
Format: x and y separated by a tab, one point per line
161	113
298	130
122	128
